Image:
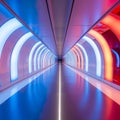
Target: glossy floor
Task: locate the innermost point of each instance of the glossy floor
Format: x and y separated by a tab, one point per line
62	95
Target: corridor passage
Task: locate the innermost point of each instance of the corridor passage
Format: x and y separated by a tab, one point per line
59	94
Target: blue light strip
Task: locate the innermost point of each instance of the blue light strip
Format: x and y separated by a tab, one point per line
6	30
117	58
15	55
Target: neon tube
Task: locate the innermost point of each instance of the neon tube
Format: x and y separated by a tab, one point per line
86	56
15	55
107	54
81	56
31	55
6	30
44	58
35	57
77	56
40	56
97	54
117	58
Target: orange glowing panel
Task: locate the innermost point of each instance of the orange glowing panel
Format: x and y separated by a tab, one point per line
81	56
113	22
108	60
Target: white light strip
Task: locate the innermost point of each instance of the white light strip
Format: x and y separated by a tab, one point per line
39	57
86	56
59	94
9	92
97	54
109	91
31	56
15	55
35	57
6	30
44	59
117	57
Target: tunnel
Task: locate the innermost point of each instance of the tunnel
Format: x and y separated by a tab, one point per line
59	59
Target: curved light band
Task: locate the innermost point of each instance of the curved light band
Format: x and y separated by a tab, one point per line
71	60
117	58
81	56
35	57
68	58
40	56
77	56
6	30
31	55
86	56
107	54
97	54
15	55
44	60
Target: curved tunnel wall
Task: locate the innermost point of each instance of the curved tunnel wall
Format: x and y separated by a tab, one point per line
21	53
99	51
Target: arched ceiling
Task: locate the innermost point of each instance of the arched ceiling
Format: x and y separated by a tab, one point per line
59	23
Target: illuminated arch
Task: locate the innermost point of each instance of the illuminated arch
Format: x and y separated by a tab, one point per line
15	55
97	54
107	54
40	56
6	30
44	60
85	55
81	57
31	55
77	56
72	55
35	56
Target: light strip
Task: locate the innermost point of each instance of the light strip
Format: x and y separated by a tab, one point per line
6	30
117	57
108	60
35	56
44	58
31	56
81	56
71	60
39	57
97	54
77	56
15	55
59	94
86	56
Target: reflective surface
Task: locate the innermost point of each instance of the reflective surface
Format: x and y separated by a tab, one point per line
36	101
79	99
